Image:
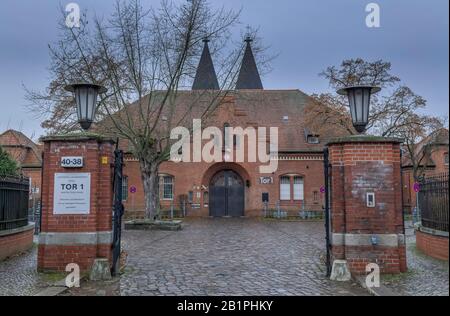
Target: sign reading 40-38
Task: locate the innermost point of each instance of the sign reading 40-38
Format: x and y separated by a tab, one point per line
72	194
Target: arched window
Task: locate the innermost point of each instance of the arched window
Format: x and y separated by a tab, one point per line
292	188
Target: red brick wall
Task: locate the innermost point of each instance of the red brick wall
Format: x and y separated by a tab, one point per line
56	258
433	246
100	217
196	177
14	244
358	169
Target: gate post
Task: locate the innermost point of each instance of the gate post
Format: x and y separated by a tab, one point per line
366	203
77	197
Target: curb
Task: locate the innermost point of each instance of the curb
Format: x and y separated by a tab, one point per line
380	291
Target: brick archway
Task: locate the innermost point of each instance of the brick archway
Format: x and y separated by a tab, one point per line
226	199
214	169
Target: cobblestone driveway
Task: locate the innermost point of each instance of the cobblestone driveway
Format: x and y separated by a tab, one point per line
18	275
227	257
426	276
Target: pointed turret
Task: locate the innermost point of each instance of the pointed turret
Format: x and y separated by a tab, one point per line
249	77
206	78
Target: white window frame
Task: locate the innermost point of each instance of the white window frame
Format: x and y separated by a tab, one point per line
299	188
163	187
285	188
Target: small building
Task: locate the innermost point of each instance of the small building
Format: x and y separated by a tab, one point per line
232	189
28	156
433	153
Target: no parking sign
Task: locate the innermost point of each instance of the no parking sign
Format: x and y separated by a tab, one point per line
417	187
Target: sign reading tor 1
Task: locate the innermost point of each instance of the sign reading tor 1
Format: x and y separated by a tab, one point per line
72	193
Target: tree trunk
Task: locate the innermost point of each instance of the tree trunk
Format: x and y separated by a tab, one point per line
150	180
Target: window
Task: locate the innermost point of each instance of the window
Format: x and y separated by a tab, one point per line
316	196
298	189
125	189
285	189
191	197
446	159
206	199
167	187
313	140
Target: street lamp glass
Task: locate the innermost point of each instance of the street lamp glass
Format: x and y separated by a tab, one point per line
86	100
359	102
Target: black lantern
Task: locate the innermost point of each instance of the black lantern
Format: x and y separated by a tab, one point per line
359	102
86	98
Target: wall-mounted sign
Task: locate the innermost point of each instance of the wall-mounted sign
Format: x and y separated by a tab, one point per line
133	189
266	180
72	162
105	160
72	194
417	187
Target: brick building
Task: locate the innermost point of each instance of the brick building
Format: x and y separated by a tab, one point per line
238	189
27	154
434	150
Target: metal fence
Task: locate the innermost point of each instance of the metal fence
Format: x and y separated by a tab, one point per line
302	211
14	199
433	202
277	210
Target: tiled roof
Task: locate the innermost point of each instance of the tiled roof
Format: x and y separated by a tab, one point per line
243	108
21	148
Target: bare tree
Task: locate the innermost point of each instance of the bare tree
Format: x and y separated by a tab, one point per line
396	113
146	58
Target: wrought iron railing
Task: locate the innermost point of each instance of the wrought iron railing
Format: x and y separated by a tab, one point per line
433	202
14	198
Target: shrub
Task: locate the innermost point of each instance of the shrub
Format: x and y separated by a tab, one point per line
8	167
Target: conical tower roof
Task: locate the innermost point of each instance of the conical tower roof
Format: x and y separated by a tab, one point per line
249	77
206	78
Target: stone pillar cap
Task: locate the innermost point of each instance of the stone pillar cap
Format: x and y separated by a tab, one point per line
76	137
364	139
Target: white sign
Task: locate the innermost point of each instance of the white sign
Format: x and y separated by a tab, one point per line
266	180
72	194
72	162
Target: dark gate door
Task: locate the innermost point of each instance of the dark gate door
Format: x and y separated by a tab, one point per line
217	201
227	195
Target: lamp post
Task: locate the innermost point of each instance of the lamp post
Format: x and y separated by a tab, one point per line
359	102
86	99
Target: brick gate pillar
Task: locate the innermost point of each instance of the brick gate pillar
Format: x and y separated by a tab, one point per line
77	196
366	203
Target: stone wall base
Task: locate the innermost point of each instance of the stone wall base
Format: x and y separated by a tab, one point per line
16	241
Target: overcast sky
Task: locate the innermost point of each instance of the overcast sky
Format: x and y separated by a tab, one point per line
309	35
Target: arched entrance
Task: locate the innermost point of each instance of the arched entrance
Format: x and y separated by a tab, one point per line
227	195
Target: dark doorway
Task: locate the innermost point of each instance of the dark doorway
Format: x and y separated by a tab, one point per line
227	195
